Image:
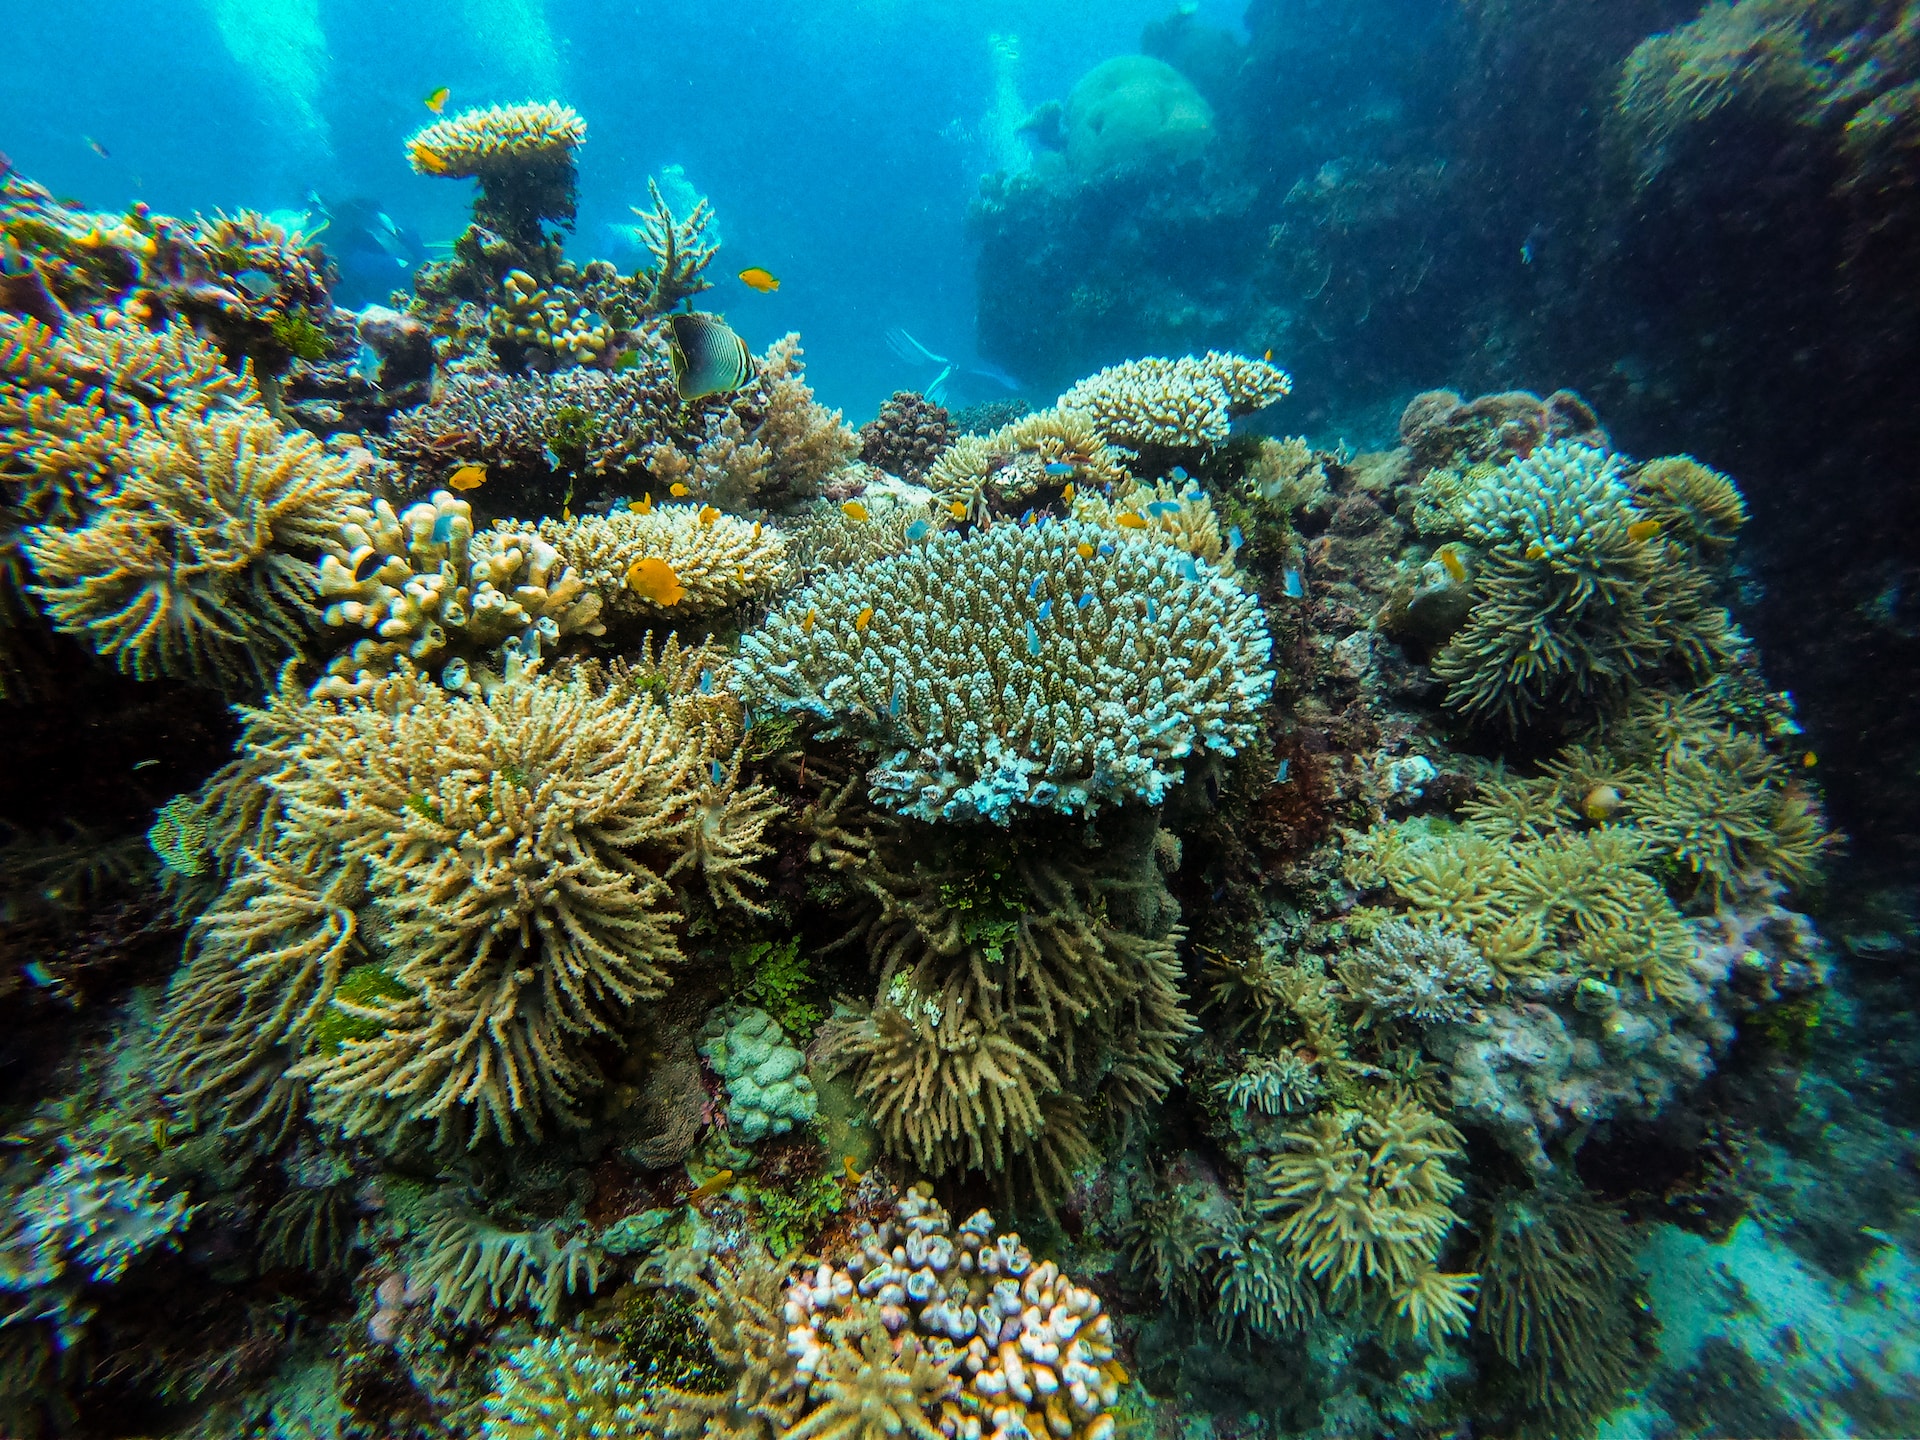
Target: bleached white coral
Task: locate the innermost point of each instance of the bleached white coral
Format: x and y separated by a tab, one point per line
1039	665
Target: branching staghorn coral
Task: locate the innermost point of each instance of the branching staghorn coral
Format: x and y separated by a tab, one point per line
1021	667
717	560
1556	1289
563	1387
740	1303
433	597
728	467
1421	973
200	565
1008	985
1577	597
458	893
1183	404
1360	1202
1003	473
680	247
474	1266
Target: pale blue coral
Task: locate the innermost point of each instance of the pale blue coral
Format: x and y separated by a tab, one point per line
1137	667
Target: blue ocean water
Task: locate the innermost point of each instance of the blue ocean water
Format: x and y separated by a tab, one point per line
1307	798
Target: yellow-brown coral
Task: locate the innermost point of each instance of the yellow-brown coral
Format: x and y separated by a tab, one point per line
1001	472
1694	503
501	137
200	565
1177	514
718	562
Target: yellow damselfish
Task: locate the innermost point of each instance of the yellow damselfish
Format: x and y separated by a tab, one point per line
652	578
1643	530
806	620
712	1185
642	506
436	101
1130	520
678	491
1449	558
854	510
759	279
864	618
707	515
468	477
958	509
1084	550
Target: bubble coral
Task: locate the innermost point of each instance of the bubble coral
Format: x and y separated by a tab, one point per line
718	560
768	1092
1183	404
1007	669
200	565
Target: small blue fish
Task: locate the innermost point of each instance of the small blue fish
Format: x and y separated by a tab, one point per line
918	530
899	699
1027	519
1196	495
257	283
38	973
1086	599
1046	609
719	775
1033	640
366	365
1106	547
706	682
1280	775
1178	472
1161	508
1188	570
552	459
1291	583
1234	537
1033	589
443	528
1059	469
1153	610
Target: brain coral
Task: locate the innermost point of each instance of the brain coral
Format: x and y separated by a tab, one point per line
1134	109
1037	665
768	1091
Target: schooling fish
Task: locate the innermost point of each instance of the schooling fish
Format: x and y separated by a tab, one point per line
1290	582
719	775
642	506
1160	509
436	100
1177	473
97	148
1046	609
468	477
1086	599
1084	550
708	358
1033	587
958	509
806	620
1188	569
1234	537
706	682
1106	547
756	278
1153	610
707	515
854	510
864	618
652	578
899	699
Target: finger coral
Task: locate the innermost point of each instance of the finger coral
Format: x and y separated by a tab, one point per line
434	597
1576	596
1021	667
1183	404
199	565
717	560
461	891
1176	513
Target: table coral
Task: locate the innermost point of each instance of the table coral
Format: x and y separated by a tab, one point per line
507	867
718	560
768	1092
199	565
1008	669
1183	404
501	137
1575	599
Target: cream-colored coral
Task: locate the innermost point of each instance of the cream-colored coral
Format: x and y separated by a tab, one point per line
1001	472
1186	404
200	564
431	595
1287	475
1165	512
546	319
500	137
728	468
718	560
807	441
472	1265
1692	502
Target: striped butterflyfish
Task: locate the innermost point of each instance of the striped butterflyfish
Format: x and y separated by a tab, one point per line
708	358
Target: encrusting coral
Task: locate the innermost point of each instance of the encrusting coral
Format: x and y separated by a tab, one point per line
459	892
1577	596
436	598
200	564
1037	666
1183	404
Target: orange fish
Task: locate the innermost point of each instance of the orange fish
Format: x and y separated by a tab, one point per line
958	509
1269	355
643	506
806	621
758	279
1450	559
864	618
707	515
437	100
1067	494
1536	550
1643	530
852	1173
712	1185
427	161
678	491
652	578
1130	520
854	510
1084	550
468	477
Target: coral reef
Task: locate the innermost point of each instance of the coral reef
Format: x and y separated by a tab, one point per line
768	1092
1420	973
560	1387
472	1265
1003	473
438	600
1185	404
907	436
1021	667
717	561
